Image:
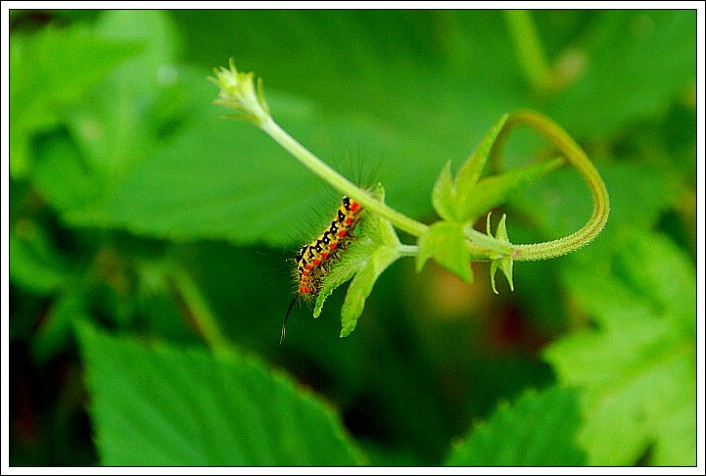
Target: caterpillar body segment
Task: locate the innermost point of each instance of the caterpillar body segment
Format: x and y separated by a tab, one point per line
314	260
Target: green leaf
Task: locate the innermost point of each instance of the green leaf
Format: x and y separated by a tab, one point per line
443	195
34	265
54	333
623	56
640	193
637	371
121	123
539	429
505	263
446	243
362	285
159	405
154	29
61	176
451	196
471	170
51	70
375	248
215	181
493	191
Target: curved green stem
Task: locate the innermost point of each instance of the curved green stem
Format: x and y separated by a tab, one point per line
339	182
529	48
578	158
238	92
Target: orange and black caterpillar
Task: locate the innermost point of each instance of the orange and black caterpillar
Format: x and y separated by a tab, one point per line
313	260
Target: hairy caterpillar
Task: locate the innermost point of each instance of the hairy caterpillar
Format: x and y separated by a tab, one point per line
314	259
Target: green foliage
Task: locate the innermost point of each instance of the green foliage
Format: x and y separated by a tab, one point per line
495	191
638	397
539	429
159	405
122	171
45	80
446	243
454	200
34	265
364	261
464	198
503	263
615	84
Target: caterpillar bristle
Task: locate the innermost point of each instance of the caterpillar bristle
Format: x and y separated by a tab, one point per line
315	259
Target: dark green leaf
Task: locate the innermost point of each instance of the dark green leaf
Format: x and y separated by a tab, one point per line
158	405
55	332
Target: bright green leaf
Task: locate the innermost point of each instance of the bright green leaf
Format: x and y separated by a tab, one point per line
471	170
374	249
362	285
446	243
493	191
159	405
443	196
452	195
637	371
537	430
505	263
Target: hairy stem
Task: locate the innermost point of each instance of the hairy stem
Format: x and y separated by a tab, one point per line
339	182
578	158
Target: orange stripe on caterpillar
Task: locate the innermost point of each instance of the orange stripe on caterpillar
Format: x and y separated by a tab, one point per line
313	260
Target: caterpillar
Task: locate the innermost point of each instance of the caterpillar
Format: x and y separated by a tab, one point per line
314	259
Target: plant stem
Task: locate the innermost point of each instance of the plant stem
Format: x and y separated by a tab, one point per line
339	182
201	314
578	158
529	49
408	250
238	92
486	244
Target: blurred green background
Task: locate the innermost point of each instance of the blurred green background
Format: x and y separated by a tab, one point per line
134	205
